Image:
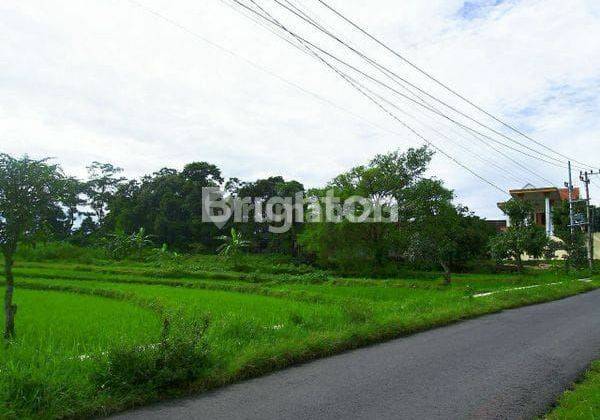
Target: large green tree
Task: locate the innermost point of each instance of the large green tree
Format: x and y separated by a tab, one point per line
168	205
261	191
30	191
384	183
433	224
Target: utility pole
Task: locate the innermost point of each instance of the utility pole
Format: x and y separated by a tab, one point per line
570	189
585	178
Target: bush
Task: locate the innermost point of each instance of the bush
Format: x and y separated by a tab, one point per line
57	251
316	277
119	245
180	357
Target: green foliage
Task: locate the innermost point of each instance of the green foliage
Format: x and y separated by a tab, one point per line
439	232
521	237
119	246
348	246
517	241
574	243
32	193
262	240
582	402
168	205
181	356
232	245
45	371
55	251
69	365
30	389
430	230
520	212
103	182
357	313
551	248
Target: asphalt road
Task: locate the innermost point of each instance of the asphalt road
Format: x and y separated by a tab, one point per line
510	365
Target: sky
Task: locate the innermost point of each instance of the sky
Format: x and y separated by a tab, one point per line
148	84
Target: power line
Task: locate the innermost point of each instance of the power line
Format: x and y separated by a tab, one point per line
269	18
317	96
400	83
302	15
507	174
353	83
437	81
503	172
383	84
254	65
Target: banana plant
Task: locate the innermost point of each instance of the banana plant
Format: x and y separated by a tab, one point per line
232	245
140	241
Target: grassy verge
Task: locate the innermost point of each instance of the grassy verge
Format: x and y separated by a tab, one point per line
583	402
253	327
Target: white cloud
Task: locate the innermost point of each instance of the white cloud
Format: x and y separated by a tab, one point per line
106	80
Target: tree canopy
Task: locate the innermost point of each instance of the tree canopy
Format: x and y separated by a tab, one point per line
522	237
33	197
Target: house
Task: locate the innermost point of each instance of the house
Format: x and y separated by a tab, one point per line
543	201
497	225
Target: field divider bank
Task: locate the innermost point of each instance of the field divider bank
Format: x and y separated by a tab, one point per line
190	284
151	304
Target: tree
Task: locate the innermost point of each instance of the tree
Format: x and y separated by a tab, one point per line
435	225
260	191
521	237
102	184
29	191
574	243
384	182
232	245
72	199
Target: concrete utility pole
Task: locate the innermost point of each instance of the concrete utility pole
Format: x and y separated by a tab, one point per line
585	178
570	188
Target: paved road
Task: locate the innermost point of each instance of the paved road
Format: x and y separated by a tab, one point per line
509	365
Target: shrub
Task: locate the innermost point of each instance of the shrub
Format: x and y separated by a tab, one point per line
58	251
181	356
316	277
120	245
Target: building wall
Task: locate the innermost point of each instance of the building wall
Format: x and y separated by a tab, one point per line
561	253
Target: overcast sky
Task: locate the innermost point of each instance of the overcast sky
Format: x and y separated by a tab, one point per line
108	80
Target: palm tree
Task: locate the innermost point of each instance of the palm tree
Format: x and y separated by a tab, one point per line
232	245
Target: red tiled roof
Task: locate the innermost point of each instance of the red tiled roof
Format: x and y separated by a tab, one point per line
564	193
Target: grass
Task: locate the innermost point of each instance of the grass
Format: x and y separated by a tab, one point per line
45	371
583	402
98	337
67	324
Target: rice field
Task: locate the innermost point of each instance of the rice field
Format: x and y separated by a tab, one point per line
93	338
